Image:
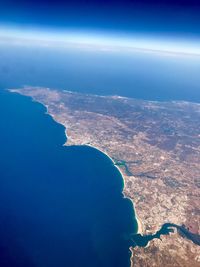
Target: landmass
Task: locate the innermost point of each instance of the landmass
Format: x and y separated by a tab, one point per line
156	146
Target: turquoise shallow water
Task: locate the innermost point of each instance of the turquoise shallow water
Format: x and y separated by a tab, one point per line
58	206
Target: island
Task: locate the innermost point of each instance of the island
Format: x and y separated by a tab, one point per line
156	147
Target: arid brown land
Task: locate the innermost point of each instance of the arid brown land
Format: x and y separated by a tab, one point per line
156	145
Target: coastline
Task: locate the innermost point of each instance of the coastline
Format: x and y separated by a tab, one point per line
138	221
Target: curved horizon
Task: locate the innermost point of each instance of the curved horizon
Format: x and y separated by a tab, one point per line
103	41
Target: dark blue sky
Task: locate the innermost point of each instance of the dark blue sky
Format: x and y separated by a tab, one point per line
173	18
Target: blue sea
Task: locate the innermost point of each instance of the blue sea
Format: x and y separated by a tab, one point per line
58	206
145	75
63	206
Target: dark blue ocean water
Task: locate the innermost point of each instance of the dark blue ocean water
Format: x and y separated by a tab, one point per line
58	206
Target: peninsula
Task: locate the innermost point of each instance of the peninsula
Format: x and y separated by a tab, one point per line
156	146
